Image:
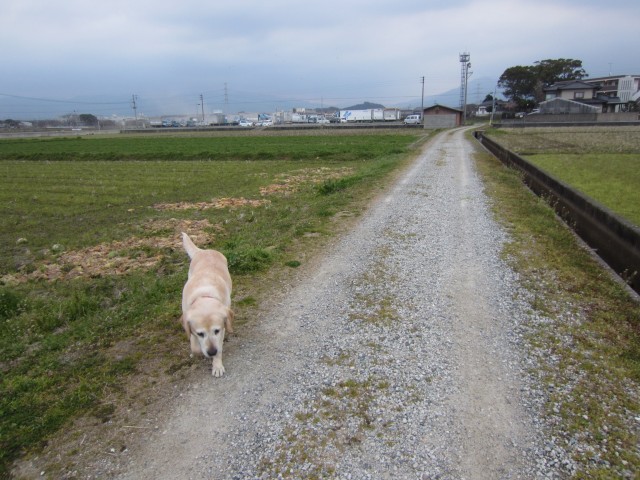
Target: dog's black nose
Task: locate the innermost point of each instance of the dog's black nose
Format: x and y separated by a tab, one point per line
212	351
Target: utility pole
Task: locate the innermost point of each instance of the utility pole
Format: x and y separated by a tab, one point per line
422	103
134	97
466	84
493	107
226	99
202	105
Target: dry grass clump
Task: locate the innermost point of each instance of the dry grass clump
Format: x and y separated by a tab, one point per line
117	257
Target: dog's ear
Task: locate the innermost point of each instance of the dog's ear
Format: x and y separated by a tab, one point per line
228	321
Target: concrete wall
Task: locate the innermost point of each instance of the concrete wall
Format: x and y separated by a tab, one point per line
614	239
440	121
575	119
619	117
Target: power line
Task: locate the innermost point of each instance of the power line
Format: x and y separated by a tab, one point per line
76	102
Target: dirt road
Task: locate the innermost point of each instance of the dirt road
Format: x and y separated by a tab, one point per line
400	356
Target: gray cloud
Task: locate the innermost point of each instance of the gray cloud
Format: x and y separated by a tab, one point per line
335	50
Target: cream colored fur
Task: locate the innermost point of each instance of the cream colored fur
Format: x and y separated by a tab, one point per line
206	301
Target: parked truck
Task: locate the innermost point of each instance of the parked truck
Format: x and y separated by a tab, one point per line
216	119
356	115
391	114
377	114
299	118
370	115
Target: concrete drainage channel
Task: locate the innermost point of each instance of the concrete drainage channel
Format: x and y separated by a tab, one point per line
611	237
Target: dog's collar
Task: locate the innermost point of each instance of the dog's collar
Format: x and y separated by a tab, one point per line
205	296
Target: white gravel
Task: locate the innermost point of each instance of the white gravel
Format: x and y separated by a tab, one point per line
401	357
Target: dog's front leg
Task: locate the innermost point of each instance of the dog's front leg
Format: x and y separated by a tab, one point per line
195	345
217	369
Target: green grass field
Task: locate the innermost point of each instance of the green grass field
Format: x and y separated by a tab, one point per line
92	267
611	179
203	147
77	203
603	163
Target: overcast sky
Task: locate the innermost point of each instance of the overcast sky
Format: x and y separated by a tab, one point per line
282	52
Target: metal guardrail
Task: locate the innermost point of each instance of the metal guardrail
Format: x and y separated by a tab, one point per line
613	239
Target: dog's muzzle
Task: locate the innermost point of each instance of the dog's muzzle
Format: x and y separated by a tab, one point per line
211	352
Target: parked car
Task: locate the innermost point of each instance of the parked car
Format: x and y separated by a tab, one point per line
412	120
323	121
245	123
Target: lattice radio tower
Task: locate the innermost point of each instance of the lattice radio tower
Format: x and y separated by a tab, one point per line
464	76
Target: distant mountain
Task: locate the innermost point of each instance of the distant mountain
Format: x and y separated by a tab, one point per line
477	90
364	106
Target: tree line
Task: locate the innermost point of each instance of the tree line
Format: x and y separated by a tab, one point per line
524	85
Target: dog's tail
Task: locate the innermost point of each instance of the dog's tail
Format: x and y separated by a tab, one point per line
189	246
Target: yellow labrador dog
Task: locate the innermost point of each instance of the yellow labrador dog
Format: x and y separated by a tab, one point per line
206	299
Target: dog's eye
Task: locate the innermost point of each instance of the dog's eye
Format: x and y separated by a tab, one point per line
201	334
216	331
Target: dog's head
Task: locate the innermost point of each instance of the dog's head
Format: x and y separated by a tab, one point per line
209	325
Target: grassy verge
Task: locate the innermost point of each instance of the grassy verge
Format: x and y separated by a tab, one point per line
92	266
587	342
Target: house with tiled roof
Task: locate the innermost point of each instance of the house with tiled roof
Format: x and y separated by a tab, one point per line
624	87
607	94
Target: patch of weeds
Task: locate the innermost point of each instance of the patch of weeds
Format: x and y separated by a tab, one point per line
247	302
293	263
344	411
331	186
104	412
343	359
325	212
178	366
397	235
246	259
374	309
10	303
66	267
123	366
371	302
78	351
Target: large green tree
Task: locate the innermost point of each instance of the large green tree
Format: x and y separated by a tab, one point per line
524	84
552	71
88	119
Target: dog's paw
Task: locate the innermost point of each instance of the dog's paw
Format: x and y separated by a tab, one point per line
217	371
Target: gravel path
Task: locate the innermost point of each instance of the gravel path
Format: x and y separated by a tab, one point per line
401	356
